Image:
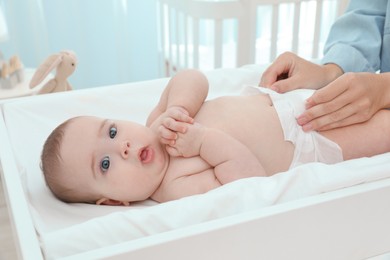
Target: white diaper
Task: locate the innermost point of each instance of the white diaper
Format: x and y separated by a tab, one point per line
310	146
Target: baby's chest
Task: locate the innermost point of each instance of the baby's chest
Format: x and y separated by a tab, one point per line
181	167
235	114
185	177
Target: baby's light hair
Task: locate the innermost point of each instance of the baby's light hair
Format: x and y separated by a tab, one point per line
57	177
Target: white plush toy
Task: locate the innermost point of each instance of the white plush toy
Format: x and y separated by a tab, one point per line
64	63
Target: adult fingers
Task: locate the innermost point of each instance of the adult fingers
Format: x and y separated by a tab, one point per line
285	85
353	119
278	70
278	80
269	77
331	108
331	120
328	93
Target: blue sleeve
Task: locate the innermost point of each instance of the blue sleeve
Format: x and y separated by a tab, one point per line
355	39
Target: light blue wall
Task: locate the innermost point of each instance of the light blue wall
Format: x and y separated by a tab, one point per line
116	41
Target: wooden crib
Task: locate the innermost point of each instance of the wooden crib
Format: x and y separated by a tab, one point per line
210	34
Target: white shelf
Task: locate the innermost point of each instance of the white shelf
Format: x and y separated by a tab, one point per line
21	89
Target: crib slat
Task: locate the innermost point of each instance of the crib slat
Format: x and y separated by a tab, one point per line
165	69
246	34
317	29
195	42
177	37
218	43
274	31
252	33
242	38
186	35
297	15
170	39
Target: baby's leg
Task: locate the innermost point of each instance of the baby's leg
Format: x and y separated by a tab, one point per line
365	139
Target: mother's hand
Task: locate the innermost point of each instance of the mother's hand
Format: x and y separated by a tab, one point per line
289	72
352	98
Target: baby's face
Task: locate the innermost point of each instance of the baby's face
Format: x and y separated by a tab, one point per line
119	160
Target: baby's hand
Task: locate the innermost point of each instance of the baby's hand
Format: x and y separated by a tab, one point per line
188	144
173	121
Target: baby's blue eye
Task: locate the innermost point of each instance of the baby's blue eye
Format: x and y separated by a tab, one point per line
113	132
105	164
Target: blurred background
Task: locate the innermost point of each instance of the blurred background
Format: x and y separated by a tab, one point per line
115	40
119	41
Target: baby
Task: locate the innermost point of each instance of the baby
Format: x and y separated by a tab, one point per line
190	146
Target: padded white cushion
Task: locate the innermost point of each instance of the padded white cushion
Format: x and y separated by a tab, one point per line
67	229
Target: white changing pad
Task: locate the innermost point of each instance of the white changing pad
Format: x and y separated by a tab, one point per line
67	229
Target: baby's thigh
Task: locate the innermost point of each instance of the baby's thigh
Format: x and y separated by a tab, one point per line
365	139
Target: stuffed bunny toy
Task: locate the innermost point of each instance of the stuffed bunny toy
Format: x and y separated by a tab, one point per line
65	64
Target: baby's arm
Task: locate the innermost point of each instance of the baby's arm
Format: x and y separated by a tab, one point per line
180	102
187	89
230	158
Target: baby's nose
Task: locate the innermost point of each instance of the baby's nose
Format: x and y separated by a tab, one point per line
125	147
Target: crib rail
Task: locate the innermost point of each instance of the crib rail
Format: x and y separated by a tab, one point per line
181	22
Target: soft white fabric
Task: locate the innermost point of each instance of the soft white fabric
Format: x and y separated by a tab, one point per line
67	229
309	146
35	117
238	197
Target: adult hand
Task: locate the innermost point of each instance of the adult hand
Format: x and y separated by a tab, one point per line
289	72
350	99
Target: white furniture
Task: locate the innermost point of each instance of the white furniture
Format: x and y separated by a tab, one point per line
315	211
241	32
22	89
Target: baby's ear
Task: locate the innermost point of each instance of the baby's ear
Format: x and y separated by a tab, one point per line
110	202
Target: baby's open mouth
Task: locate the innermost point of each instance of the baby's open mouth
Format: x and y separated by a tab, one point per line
145	155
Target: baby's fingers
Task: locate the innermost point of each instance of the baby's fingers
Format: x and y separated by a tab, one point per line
185	118
175	126
166	135
173	151
180	114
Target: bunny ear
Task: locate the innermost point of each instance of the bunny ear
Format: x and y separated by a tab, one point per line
45	68
72	54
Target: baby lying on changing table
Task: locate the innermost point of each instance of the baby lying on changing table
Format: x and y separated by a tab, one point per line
190	146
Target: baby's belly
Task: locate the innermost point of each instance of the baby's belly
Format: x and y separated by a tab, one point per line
253	121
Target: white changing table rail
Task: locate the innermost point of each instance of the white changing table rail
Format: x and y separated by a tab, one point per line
26	240
348	224
180	25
